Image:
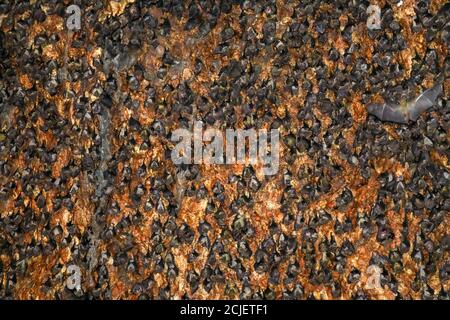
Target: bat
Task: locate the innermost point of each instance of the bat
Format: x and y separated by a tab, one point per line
407	111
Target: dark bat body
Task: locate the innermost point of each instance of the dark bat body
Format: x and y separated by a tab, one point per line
408	112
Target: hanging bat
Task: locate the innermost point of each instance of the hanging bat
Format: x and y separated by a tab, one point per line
408	110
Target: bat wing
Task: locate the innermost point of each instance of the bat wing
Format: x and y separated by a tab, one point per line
387	112
423	102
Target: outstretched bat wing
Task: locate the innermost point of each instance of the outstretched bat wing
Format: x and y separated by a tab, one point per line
423	102
387	112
